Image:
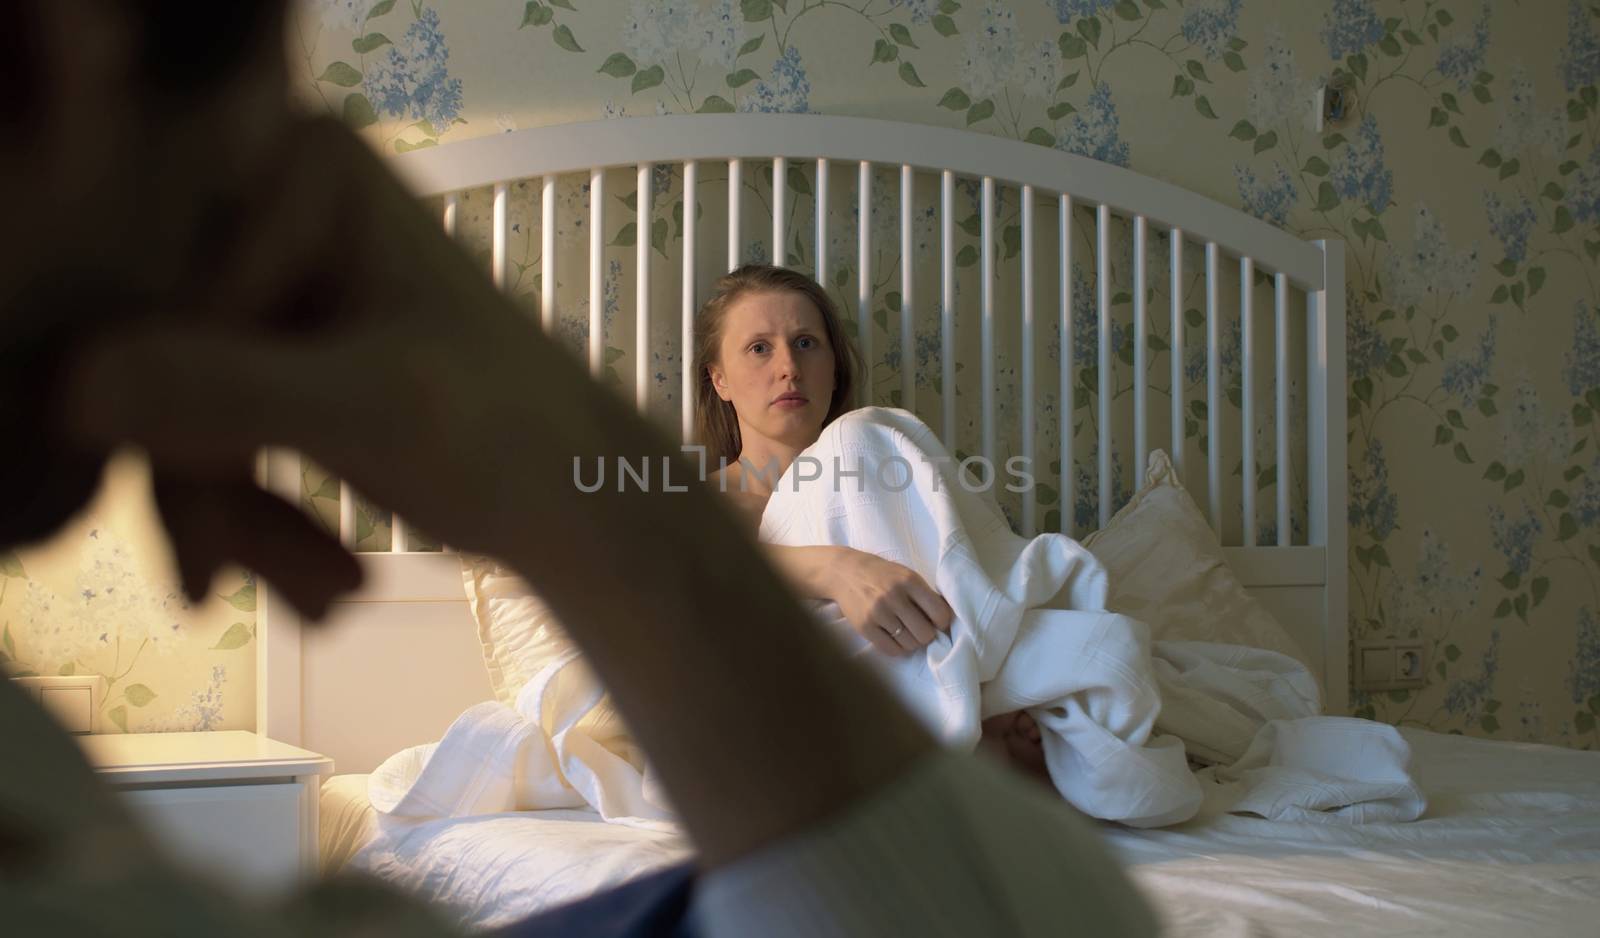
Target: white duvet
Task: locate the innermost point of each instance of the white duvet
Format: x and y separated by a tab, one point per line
1120	718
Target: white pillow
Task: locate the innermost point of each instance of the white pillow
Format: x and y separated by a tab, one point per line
518	632
1167	570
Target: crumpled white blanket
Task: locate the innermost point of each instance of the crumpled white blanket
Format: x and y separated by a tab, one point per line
1120	719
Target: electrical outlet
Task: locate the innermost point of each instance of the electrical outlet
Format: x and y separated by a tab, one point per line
1391	664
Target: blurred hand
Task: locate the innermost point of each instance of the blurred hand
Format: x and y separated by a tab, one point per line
887	603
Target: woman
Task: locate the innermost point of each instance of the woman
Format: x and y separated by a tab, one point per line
774	367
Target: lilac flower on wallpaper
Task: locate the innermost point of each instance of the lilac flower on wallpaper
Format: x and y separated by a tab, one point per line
1583	191
1461	57
1582	369
1350	27
1431	269
1586	495
1580	58
1085	342
1209	24
1372	504
1437	595
1366	349
1359	172
1270	198
1039	71
1229	346
921	10
343	14
1465	696
1069	10
990	53
1279	94
1464	375
1526	435
1086	495
786	91
1514	537
1510	222
1523	127
721	32
656	29
1584	679
411	79
1093	131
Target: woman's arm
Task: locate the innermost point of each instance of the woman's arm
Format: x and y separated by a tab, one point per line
887	603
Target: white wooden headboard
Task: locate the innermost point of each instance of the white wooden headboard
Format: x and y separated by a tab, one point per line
394	664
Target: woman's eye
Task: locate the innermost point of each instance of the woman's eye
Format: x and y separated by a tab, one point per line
806	342
759	347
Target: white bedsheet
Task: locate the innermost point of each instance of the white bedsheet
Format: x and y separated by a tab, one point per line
1120	718
1510	846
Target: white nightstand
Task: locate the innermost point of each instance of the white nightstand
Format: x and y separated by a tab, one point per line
240	807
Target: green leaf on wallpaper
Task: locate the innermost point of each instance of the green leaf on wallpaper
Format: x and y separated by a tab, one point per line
884	51
1156	4
1358	65
1060	110
536	14
1567	528
967	256
944	25
404	146
1071	46
881	317
1514	480
908	74
1375	228
1194	318
1234	61
1454	418
1012	238
1332	140
1444	17
981	111
1047	494
10	646
1457	137
1557	499
1589	95
1316	166
618	65
1507	267
1481	92
119	716
1391	46
1089	29
1592	248
1041	137
972	224
613	354
1327	198
370	42
1449	102
1576	111
139	695
1486	407
1266	141
243	598
1572	473
1490	158
1462	456
1535	279
67	670
1437	117
1181	86
658	236
1411	38
329	489
752	45
237	636
1594	704
565	39
11	564
1499	295
1128	10
1563	220
380	8
564	4
1442	435
797	180
649	78
626	236
1489	724
715	104
956	100
756	11
1583	722
892	301
900	34
1204	107
1517	292
1363	388
1553	192
1449	332
358	112
1509	168
1244	130
340	73
1197	70
1503	609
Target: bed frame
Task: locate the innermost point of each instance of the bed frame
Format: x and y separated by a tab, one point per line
397	662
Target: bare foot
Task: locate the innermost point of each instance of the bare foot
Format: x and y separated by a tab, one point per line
1014	738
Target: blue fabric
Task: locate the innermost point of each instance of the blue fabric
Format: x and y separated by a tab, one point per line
656	906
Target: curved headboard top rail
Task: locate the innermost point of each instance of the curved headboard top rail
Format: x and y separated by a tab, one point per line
569	148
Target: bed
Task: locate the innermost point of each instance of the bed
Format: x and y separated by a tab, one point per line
1069	253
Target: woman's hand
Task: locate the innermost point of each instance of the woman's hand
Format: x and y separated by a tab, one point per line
887	603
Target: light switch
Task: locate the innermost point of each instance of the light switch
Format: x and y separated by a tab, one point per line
73	707
1377	665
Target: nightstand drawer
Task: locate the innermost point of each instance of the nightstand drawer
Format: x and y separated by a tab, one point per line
248	835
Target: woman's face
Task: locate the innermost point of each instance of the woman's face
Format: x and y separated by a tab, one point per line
775	366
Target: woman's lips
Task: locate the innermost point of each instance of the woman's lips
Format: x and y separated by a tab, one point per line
790	402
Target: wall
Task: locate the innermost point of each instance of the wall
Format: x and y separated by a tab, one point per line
1466	183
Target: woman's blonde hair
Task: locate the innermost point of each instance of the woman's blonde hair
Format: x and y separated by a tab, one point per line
716	424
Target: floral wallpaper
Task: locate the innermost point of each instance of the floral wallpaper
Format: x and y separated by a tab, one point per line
1464	178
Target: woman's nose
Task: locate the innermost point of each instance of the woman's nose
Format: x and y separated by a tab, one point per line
784	362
